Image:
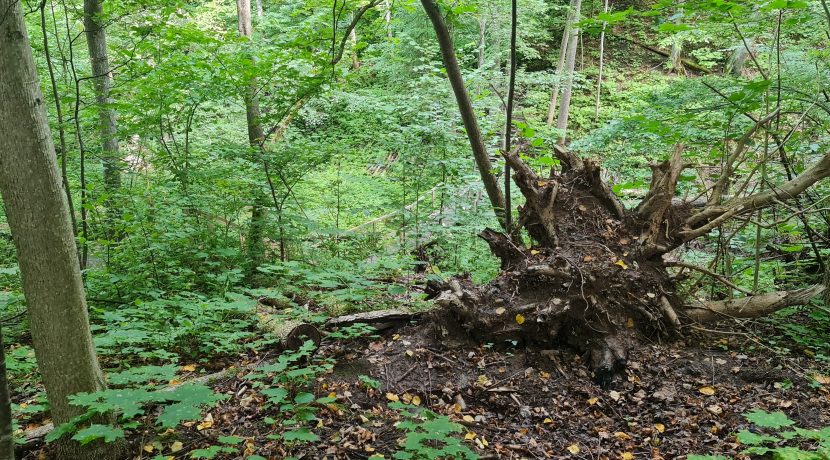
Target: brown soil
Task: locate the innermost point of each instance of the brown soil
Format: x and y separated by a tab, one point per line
527	403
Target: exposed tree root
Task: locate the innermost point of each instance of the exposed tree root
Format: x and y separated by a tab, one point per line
595	279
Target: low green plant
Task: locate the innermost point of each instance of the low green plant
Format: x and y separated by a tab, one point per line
429	435
368	382
776	436
227	445
285	385
126	405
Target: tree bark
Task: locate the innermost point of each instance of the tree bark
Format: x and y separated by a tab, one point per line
465	107
6	439
355	57
563	51
30	184
255	246
601	56
96	38
570	62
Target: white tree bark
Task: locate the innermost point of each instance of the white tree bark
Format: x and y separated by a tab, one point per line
38	215
601	56
563	50
570	62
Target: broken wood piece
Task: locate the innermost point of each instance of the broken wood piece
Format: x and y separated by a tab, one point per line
290	333
374	317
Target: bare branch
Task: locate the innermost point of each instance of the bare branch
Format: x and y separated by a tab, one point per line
752	306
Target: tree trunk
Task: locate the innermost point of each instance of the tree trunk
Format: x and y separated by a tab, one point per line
6	439
255	247
601	56
387	17
355	58
570	62
38	216
563	50
740	55
96	38
482	37
465	107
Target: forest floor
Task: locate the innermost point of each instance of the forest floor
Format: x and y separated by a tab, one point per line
673	400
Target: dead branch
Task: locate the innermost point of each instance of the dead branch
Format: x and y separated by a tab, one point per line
750	307
708	272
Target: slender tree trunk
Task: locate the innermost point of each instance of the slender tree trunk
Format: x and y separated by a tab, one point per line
676	54
6	439
59	115
30	184
563	50
601	56
96	39
255	244
260	11
482	35
508	126
355	59
570	62
465	106
387	17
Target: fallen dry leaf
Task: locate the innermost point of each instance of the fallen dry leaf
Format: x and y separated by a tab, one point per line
708	391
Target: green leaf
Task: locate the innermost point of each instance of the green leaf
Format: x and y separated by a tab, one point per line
94	432
233	440
304	398
751	439
768	419
210	452
672	27
176	413
275	395
301	434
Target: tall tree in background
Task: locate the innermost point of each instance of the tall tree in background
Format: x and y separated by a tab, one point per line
37	212
560	67
601	59
255	245
508	126
96	39
570	62
6	440
465	106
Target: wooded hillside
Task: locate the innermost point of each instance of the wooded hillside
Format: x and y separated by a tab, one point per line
414	229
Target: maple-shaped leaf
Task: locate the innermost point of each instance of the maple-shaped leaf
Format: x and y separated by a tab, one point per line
749	438
768	419
301	434
93	432
176	413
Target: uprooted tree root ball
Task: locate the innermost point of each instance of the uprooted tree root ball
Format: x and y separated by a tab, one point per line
595	278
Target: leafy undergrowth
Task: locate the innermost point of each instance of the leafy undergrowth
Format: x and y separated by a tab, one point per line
407	394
